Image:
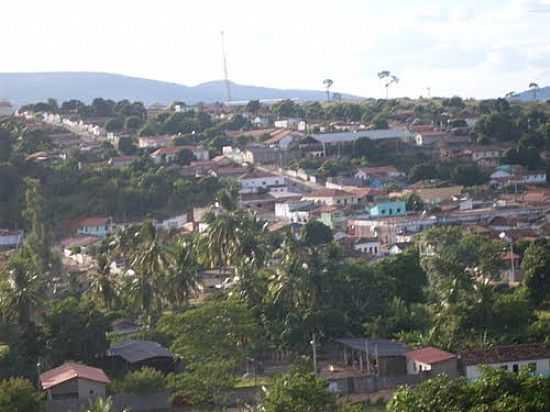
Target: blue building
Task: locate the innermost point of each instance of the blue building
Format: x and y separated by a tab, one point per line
382	209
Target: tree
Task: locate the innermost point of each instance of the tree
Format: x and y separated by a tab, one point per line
114	125
468	175
133	122
380	121
414	203
143	381
205	385
212	331
423	171
315	233
253	106
182	277
299	391
19	395
102	284
390	79
535	88
74	331
126	146
536	269
328	84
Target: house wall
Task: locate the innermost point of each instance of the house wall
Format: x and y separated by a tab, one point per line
100	231
201	155
10	240
389	209
252	185
65	390
372	248
449	367
89	389
542	367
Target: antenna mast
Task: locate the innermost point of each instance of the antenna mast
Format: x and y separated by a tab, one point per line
225	73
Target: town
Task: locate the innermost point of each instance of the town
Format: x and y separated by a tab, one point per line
222	256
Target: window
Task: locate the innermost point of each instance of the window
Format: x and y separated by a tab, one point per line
504	367
532	366
515	368
397	210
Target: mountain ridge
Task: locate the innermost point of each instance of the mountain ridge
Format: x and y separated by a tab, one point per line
29	87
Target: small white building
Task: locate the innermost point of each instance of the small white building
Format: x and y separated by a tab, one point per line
368	246
512	358
332	197
74	381
295	212
95	226
10	239
290	123
256	180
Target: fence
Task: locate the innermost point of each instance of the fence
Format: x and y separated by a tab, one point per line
154	402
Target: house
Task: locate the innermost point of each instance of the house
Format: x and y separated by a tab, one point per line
166	154
332	217
10	239
331	197
350	137
122	161
74	381
535	356
136	354
382	173
516	174
261	154
487	156
399	247
382	357
430	138
256	180
431	360
283	138
95	226
295	212
290	123
395	208
367	246
154	142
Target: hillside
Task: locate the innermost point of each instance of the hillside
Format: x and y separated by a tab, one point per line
21	88
543	94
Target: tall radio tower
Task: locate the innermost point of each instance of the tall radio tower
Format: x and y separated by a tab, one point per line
225	72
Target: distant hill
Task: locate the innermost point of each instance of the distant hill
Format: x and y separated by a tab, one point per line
543	94
22	88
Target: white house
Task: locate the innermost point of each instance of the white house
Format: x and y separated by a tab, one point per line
429	138
295	212
173	223
95	226
256	180
432	360
74	381
153	142
10	238
535	356
287	123
331	197
368	246
166	154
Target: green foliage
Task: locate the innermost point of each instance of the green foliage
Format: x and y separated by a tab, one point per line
114	125
19	395
299	392
205	385
496	390
536	269
315	233
102	405
230	325
74	331
143	381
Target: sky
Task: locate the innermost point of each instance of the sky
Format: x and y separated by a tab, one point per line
471	48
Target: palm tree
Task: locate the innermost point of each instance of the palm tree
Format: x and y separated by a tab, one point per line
391	79
149	260
22	291
181	280
535	88
328	84
102	285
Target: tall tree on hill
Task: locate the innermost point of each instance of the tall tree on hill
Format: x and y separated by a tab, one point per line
535	88
328	84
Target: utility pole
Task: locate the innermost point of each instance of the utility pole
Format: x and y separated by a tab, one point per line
314	348
225	71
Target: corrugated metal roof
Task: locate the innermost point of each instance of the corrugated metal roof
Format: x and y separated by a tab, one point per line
69	371
383	347
139	350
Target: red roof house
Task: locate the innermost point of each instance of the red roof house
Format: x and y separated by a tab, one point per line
74	381
431	360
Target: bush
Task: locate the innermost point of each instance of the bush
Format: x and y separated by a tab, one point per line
145	380
19	395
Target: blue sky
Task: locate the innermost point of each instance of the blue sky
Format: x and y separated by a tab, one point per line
471	48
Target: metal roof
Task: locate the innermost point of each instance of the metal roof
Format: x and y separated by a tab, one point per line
346	137
69	371
139	350
384	347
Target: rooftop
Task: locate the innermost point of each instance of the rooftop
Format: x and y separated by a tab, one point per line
69	371
94	221
501	354
139	350
376	134
383	347
327	193
430	355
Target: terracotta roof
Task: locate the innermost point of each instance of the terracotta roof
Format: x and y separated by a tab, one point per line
327	193
430	355
69	371
510	353
167	150
93	221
